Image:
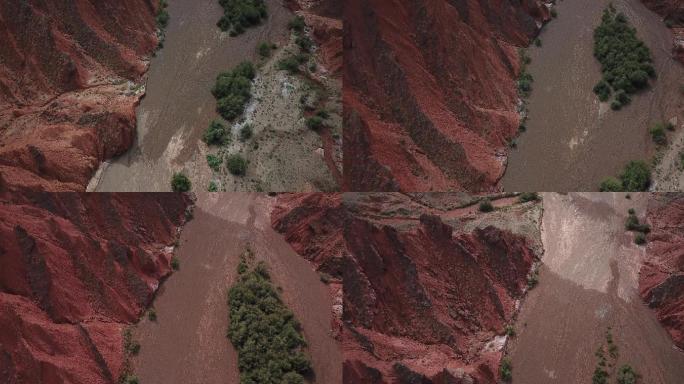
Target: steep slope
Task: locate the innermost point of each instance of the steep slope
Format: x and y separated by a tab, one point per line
661	279
429	91
67	87
75	270
672	12
428	283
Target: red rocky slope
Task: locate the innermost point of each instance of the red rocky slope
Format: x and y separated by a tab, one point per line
429	91
74	270
67	92
673	12
426	290
661	279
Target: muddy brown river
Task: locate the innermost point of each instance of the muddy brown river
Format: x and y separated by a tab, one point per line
178	104
573	141
188	343
589	282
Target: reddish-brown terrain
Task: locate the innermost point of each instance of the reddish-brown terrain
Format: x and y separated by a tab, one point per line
661	279
429	282
68	89
672	12
75	270
429	91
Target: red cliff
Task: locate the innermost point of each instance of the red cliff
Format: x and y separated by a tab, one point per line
672	12
67	87
661	279
425	293
429	91
75	270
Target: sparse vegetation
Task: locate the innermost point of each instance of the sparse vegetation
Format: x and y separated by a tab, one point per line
627	375
297	24
237	165
264	331
509	330
486	206
291	63
233	90
175	263
180	183
239	15
214	162
528	196
625	60
213	187
129	379
246	132
658	134
537	42
163	15
506	369
264	49
152	314
639	238
314	122
216	134
131	347
533	279
634	178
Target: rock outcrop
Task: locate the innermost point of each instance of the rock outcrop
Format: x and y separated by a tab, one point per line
429	285
69	87
76	269
661	279
429	91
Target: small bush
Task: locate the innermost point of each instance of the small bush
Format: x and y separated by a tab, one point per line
533	279
130	379
241	14
216	134
615	105
314	123
506	369
214	162
304	43
509	330
246	132
290	64
627	375
528	196
639	238
636	177
131	346
233	90
610	184
180	183
297	24
237	165
264	49
602	90
163	15
658	134
486	206
537	42
554	13
213	187
622	97
152	314
631	211
175	263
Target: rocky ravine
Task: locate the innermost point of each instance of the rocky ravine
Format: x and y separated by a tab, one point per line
429	91
428	286
661	279
69	79
75	270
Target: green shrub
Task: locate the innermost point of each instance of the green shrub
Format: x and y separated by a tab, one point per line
615	105
314	122
216	134
246	132
625	60
636	177
241	14
509	330
610	184
236	164
639	238
180	183
506	369
131	346
658	134
290	64
533	279
537	42
602	90
233	90
152	314
554	13
130	379
304	43
627	375
264	331
528	196
213	187
264	49
163	15
525	83
175	263
214	162
297	24
631	211
486	206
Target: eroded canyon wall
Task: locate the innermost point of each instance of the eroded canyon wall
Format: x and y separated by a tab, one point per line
429	91
75	269
672	12
429	285
661	279
68	87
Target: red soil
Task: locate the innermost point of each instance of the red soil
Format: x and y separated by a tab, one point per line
75	270
661	279
65	105
672	10
429	91
420	300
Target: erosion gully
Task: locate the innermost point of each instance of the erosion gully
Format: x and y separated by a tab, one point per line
178	104
589	282
188	343
572	140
